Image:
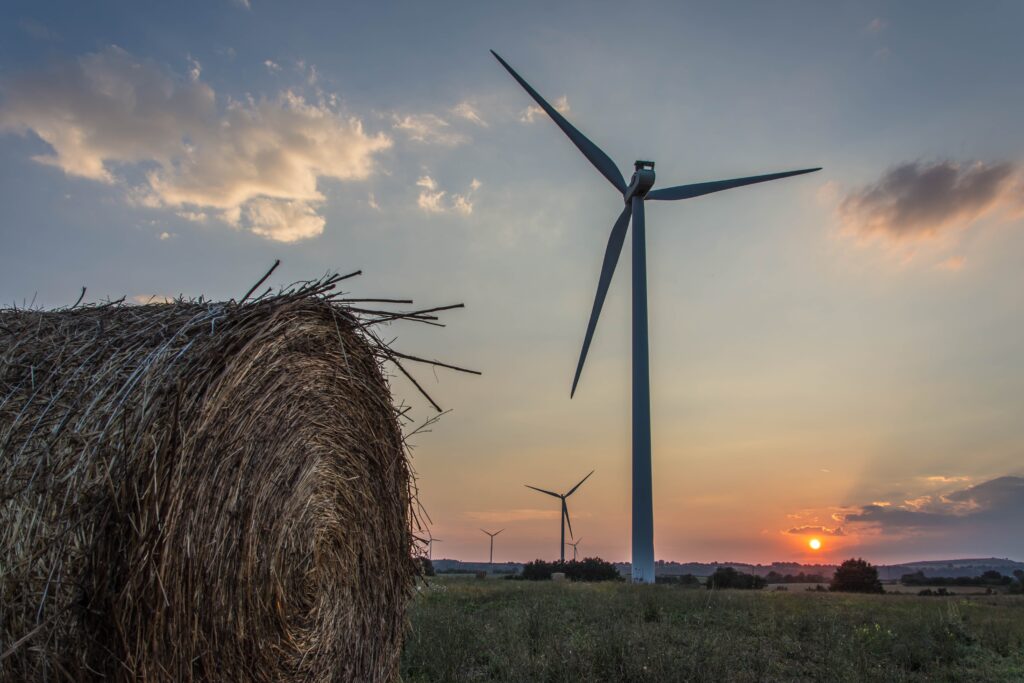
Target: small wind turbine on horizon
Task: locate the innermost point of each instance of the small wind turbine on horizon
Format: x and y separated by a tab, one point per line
565	509
634	195
491	560
574	546
430	545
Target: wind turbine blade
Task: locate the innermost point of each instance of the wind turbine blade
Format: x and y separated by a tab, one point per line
550	493
599	159
573	489
698	189
611	258
498	532
565	511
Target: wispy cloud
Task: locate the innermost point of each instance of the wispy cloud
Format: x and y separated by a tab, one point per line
467	111
428	128
876	25
916	201
811	530
36	30
255	164
432	199
143	299
528	115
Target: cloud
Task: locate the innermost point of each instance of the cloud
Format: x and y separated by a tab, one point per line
561	105
251	163
283	220
938	479
433	200
817	531
876	25
953	264
247	4
992	504
467	111
34	29
916	201
429	129
272	66
143	299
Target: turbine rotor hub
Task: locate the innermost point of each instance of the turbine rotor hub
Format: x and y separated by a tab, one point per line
642	180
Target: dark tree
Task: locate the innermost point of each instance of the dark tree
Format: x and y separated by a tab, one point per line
856	576
539	570
589	569
728	577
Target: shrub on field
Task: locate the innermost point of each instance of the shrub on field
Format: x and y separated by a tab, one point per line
775	577
988	578
589	569
538	570
425	566
728	577
856	576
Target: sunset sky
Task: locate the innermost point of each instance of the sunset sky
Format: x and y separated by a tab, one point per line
835	355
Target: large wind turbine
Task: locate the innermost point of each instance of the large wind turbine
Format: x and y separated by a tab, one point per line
491	560
574	547
565	509
634	194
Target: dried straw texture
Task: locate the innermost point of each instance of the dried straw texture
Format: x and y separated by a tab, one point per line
200	491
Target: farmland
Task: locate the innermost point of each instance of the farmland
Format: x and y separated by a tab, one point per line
468	630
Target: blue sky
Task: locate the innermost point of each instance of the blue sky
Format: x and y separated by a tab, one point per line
820	345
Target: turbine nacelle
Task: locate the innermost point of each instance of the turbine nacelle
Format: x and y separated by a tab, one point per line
641	182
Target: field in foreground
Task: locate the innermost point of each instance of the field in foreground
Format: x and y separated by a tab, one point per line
466	630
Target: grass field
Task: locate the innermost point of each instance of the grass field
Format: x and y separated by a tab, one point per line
466	630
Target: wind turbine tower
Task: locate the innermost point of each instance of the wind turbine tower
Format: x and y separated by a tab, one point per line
492	535
565	510
574	547
634	194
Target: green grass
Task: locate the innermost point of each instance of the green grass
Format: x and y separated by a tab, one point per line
466	630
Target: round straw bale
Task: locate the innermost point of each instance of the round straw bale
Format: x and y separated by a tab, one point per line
200	491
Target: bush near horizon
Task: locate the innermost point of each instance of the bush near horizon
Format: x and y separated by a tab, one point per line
587	569
989	578
856	576
728	577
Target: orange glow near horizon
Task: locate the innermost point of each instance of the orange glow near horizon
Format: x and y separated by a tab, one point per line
814	543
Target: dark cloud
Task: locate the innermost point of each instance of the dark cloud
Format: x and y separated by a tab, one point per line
917	200
995	503
817	530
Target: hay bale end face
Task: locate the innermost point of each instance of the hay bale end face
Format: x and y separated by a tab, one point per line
201	491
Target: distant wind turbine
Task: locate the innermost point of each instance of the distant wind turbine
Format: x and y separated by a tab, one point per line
634	194
491	560
565	509
430	546
573	546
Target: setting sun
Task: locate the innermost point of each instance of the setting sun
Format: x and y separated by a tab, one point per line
814	543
